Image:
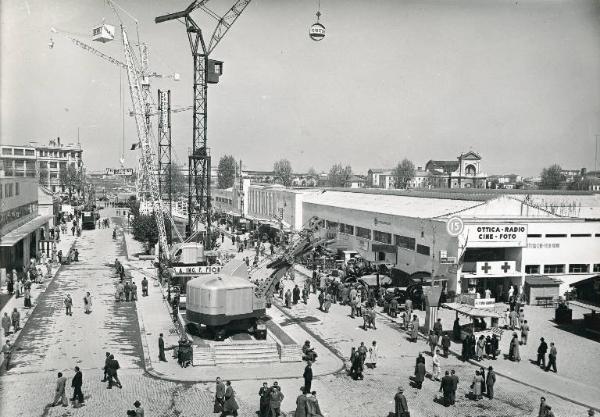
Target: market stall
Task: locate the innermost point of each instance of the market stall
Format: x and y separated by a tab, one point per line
478	325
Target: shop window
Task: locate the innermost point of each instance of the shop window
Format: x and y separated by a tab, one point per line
596	266
405	242
556	235
554	269
423	249
581	235
362	232
532	269
578	268
382	237
534	235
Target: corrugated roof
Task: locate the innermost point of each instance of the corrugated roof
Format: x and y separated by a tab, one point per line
541	280
396	205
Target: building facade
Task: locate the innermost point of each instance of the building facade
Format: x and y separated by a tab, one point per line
502	239
464	172
43	161
22	227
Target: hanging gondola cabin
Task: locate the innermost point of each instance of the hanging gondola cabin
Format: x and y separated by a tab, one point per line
317	32
103	33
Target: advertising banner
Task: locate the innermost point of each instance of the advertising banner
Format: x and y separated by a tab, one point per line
496	235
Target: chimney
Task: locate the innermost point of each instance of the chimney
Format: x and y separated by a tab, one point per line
58	141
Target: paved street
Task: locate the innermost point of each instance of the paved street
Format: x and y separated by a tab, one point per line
52	341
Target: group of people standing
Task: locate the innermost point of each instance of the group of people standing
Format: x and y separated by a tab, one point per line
361	356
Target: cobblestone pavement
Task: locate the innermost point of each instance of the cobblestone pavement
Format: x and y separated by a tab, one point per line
52	341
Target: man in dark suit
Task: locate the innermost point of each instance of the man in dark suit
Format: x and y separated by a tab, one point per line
454	379
308	376
76	384
161	349
446	387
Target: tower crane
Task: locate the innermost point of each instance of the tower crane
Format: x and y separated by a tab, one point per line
138	84
205	71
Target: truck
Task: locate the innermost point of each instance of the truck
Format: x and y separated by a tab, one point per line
88	220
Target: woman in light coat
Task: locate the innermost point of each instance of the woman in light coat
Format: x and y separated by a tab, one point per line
414	330
476	386
373	355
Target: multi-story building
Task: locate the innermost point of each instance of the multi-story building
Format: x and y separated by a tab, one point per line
380	178
56	157
18	161
21	225
45	161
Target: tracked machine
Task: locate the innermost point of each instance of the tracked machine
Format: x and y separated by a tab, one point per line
234	299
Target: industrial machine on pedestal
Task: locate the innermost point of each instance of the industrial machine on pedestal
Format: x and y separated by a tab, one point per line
235	299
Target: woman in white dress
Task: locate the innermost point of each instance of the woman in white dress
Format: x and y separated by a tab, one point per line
87	301
373	355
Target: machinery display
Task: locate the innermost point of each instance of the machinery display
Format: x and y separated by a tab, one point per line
234	299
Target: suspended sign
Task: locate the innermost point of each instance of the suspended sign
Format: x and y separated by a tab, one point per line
496	235
197	269
317	32
119	171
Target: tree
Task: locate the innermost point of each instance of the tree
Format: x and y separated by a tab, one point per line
43	178
71	179
403	173
338	175
551	177
178	181
282	170
226	172
312	173
145	229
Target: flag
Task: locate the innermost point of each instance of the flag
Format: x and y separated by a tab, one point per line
134	146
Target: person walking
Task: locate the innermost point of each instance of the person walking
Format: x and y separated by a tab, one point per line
161	349
514	354
6	324
419	374
113	377
87	302
436	371
445	344
106	363
438	330
139	410
552	358
76	384
401	406
308	376
480	350
541	353
414	329
446	388
231	406
144	287
476	386
514	319
373	355
312	405
127	289
543	410
134	296
275	401
220	396
288	298
60	395
432	341
301	402
296	294
68	305
490	381
264	394
524	332
6	351
455	382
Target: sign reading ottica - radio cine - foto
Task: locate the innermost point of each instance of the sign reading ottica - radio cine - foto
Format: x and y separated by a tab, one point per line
197	269
496	235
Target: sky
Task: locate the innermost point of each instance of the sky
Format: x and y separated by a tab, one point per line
516	81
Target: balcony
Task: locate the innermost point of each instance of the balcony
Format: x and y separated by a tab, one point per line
490	268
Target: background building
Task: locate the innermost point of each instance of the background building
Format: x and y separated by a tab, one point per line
465	172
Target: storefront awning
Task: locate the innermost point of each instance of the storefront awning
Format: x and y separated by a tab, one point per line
471	311
12	238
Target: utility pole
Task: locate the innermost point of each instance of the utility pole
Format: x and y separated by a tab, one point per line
596	156
241	191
